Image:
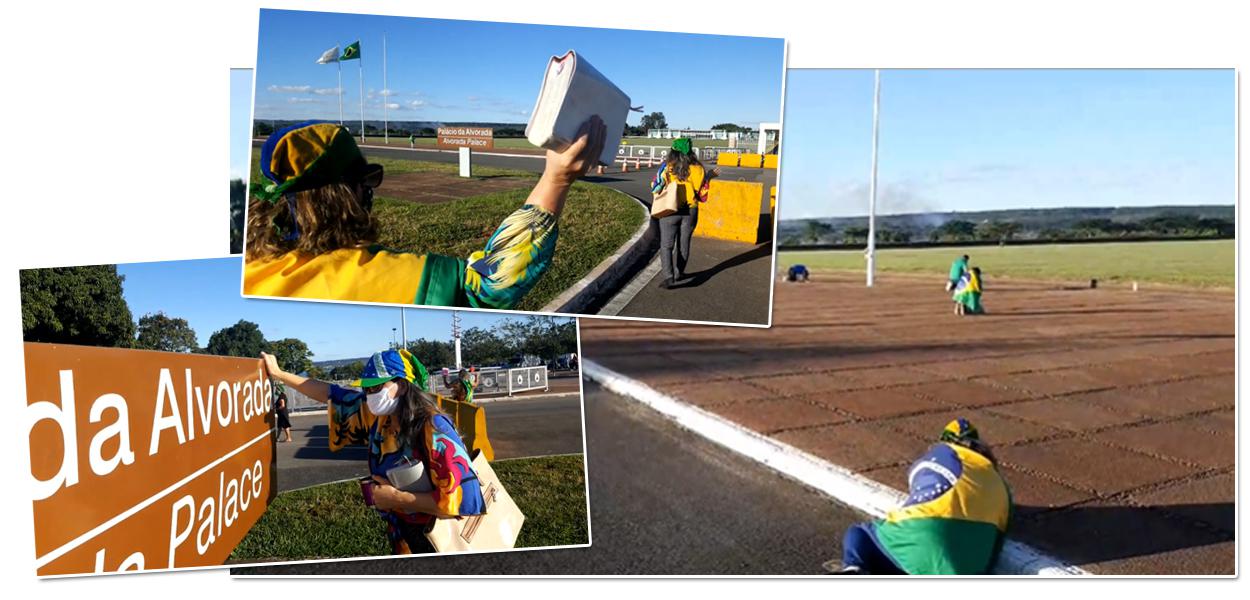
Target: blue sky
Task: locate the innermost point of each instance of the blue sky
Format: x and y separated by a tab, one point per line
447	70
206	294
968	140
240	122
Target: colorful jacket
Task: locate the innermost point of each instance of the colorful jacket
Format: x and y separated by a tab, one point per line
698	183
954	518
447	461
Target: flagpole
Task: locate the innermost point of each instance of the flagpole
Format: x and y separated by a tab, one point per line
360	62
339	63
386	95
872	185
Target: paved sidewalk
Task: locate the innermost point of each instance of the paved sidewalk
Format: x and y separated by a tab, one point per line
1111	412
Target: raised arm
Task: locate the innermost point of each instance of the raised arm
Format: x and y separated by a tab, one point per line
313	388
564	168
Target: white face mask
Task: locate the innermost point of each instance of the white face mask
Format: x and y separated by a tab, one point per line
383	402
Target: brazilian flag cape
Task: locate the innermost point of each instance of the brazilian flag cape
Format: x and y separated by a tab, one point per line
954	518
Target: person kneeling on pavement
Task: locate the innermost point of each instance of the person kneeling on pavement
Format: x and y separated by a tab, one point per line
953	521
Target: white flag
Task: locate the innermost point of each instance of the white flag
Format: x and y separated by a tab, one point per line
329	56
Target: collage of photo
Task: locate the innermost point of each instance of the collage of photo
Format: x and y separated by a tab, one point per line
478	296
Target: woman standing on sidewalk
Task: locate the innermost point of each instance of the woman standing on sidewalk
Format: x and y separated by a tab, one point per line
400	423
682	168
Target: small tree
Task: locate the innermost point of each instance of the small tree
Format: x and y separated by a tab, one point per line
654	120
293	355
241	339
158	331
76	305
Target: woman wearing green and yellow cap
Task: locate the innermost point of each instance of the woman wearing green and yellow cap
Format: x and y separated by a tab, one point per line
682	167
400	424
311	233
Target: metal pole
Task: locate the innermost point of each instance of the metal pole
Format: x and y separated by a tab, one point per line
872	184
393	342
403	322
386	94
360	63
455	335
339	63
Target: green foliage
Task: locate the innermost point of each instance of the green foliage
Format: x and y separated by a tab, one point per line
346	372
241	339
654	120
540	335
293	355
433	354
158	331
955	230
815	231
76	305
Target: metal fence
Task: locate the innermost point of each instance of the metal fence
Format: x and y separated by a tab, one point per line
489	382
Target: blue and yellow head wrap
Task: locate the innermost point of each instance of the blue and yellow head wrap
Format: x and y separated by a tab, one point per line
392	364
309	155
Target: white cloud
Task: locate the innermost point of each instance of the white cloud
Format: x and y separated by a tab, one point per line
326	91
417	103
388	92
294	100
392	106
290	89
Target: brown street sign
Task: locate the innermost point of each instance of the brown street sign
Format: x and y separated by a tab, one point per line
144	460
476	138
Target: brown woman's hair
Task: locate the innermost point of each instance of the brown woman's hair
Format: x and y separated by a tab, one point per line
416	408
679	164
328	218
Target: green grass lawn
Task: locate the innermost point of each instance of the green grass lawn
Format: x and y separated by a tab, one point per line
523	144
331	521
596	221
1205	264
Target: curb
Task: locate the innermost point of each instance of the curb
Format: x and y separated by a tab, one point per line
844	485
611	273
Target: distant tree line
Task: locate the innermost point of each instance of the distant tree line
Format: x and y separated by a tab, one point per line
85	306
957	230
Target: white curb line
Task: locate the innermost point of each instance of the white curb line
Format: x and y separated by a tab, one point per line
837	482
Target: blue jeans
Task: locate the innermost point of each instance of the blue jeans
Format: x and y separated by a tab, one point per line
860	549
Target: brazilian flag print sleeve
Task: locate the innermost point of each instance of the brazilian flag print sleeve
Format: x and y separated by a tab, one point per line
515	258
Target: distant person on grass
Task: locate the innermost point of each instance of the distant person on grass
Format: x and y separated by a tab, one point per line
958	268
311	233
398	421
798	273
953	521
967	294
681	168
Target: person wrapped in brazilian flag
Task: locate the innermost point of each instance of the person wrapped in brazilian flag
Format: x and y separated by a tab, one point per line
953	521
311	232
967	295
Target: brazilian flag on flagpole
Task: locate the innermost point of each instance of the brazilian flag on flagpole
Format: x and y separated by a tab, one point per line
351	52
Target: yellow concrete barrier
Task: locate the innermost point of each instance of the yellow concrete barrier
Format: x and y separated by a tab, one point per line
751	160
772	199
727	159
470	421
732	211
770	161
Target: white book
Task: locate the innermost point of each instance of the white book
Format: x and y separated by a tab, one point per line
572	92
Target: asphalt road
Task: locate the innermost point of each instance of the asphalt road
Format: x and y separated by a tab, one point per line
662	501
531	426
